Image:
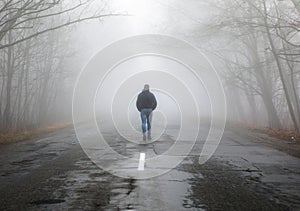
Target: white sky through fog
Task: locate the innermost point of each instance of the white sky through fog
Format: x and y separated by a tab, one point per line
172	17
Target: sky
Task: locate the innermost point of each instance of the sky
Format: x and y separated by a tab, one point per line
171	17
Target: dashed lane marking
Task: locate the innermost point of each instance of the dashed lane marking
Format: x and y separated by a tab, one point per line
142	161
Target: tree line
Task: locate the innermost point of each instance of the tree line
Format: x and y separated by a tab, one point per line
35	44
257	46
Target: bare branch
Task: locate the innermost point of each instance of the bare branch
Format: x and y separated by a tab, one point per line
57	27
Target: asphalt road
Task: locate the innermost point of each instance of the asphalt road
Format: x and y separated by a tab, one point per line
249	171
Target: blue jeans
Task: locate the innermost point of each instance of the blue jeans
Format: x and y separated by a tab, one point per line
146	116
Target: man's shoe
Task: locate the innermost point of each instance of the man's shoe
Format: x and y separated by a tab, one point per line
144	137
149	135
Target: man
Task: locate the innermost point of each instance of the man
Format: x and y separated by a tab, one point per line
146	103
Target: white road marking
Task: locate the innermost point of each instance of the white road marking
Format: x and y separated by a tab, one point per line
142	161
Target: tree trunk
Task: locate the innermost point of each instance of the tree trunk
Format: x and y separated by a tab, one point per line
26	91
264	85
7	110
273	49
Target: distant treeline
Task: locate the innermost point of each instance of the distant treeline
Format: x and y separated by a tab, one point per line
257	46
35	43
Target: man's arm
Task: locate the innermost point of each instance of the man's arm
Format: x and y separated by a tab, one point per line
154	103
138	103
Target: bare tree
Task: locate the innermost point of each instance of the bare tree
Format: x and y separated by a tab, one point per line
257	40
34	46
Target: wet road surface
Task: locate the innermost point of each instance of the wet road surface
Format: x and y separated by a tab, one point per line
246	173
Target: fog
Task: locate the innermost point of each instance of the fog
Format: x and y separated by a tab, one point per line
244	56
120	89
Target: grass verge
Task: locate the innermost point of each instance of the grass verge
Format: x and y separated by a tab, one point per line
13	136
283	134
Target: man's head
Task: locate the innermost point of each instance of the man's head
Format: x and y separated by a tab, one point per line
146	87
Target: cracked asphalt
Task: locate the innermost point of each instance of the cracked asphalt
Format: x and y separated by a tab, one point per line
249	171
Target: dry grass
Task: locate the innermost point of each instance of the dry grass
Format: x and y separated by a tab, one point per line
12	136
283	134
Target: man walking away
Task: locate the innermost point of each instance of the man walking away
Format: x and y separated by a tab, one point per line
146	103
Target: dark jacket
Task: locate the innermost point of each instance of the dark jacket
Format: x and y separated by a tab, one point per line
146	100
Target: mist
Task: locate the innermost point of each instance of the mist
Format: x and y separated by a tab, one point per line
255	62
149	104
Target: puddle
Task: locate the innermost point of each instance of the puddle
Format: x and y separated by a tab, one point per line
90	188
